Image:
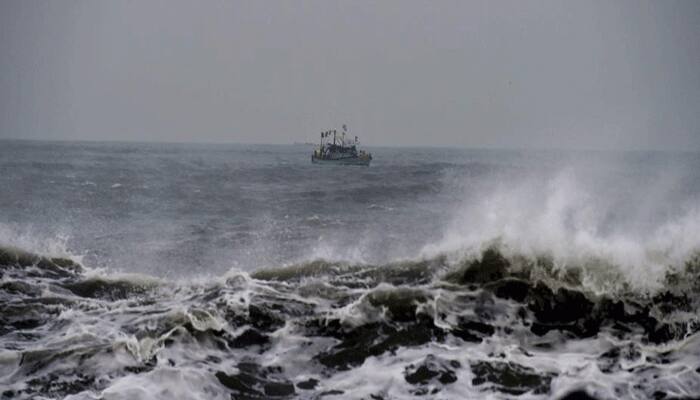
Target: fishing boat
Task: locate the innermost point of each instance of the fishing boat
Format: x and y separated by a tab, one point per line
339	151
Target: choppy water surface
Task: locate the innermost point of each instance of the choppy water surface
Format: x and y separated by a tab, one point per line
245	272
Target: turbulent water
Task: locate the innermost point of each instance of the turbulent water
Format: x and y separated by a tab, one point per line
161	271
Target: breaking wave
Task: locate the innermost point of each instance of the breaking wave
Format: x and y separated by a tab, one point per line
561	218
495	325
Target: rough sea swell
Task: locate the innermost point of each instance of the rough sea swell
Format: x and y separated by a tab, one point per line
488	327
147	272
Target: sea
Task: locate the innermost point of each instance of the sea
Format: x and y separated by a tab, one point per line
232	271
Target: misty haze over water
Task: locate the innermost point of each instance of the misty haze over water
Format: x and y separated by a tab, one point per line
590	75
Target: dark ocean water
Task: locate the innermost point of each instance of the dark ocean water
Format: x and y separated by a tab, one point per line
244	271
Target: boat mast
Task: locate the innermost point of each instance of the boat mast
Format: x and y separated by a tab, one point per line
345	129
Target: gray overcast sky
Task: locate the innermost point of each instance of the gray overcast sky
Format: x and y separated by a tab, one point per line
583	74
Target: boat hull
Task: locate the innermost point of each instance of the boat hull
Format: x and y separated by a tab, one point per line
342	161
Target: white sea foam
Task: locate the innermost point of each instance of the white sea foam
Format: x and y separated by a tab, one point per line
166	383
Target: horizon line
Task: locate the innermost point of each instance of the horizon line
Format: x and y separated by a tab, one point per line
393	145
